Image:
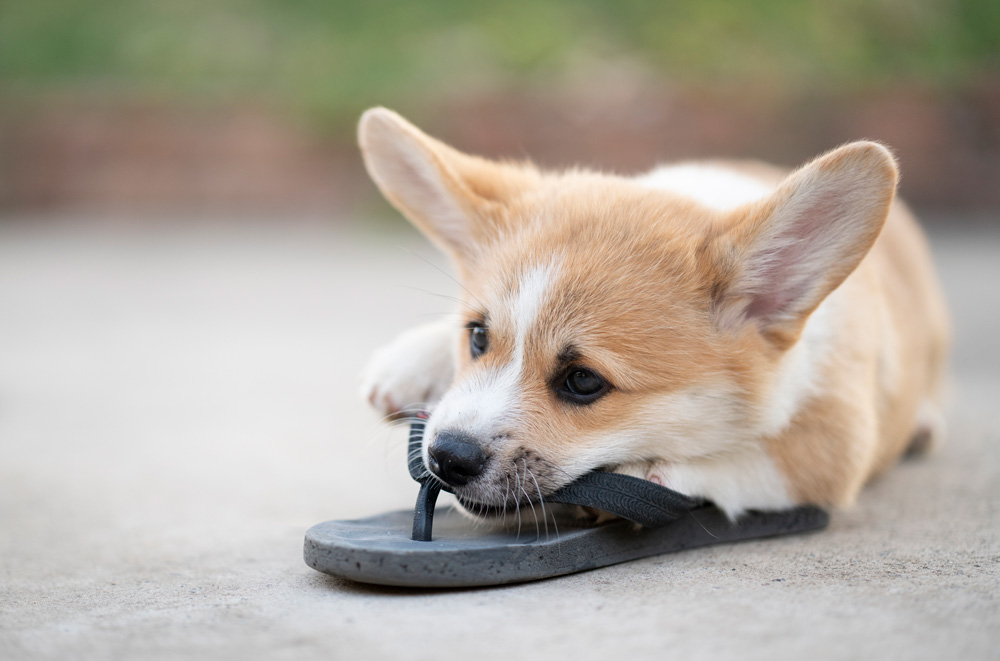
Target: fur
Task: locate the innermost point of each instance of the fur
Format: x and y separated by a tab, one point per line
768	338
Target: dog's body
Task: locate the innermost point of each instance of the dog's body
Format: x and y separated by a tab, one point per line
737	334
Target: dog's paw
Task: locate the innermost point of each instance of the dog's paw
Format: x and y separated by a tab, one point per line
412	372
655	471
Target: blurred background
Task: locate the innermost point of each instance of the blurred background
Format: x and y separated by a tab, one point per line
250	105
194	268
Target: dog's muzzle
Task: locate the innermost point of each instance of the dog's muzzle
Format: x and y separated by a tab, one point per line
456	458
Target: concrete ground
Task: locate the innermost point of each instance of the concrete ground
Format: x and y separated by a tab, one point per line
177	405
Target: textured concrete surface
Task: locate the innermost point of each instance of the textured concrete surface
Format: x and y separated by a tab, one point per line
177	405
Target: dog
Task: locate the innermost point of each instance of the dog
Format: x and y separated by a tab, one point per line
757	338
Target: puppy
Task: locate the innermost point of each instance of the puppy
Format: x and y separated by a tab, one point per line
756	338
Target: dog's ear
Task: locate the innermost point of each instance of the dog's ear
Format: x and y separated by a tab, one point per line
457	200
778	258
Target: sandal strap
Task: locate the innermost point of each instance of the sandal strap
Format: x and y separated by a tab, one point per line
414	450
640	501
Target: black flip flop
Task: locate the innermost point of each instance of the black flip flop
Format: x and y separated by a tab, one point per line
396	548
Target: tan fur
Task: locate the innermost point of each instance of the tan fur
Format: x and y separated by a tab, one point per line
659	294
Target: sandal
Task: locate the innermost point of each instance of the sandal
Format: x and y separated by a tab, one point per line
397	548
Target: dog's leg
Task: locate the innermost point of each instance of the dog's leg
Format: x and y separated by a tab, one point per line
412	372
930	429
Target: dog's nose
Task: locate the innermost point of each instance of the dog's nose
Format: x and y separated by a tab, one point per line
456	458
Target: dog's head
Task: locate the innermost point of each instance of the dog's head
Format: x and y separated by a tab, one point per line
605	322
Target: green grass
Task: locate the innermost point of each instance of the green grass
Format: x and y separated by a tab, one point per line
331	58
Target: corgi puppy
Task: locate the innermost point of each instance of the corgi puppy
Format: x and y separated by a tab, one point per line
756	338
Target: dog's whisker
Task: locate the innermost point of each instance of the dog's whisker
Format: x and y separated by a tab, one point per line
506	498
520	486
541	500
406	415
458	316
557	469
435	294
534	514
374	433
450	276
517	504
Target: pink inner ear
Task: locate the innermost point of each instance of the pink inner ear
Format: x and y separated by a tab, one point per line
791	263
409	174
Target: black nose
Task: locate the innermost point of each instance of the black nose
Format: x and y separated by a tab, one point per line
456	458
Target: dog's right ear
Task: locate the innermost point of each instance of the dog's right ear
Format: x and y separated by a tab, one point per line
781	256
457	200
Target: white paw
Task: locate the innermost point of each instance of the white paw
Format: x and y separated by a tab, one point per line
412	372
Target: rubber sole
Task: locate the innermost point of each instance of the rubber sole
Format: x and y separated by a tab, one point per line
379	550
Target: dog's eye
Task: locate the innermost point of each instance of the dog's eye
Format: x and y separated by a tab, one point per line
479	340
582	386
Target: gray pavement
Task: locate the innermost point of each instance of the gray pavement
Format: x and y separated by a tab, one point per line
177	405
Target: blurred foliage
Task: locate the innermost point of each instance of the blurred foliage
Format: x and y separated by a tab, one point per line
333	57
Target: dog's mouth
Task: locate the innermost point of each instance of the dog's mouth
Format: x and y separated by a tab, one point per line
508	497
497	498
491	510
526	480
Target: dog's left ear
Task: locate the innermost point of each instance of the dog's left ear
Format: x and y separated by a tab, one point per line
778	258
457	200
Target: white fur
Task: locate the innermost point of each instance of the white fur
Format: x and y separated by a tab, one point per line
533	288
710	185
485	405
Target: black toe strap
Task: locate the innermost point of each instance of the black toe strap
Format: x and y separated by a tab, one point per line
628	497
632	498
423	513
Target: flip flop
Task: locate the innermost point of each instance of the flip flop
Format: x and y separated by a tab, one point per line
397	549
